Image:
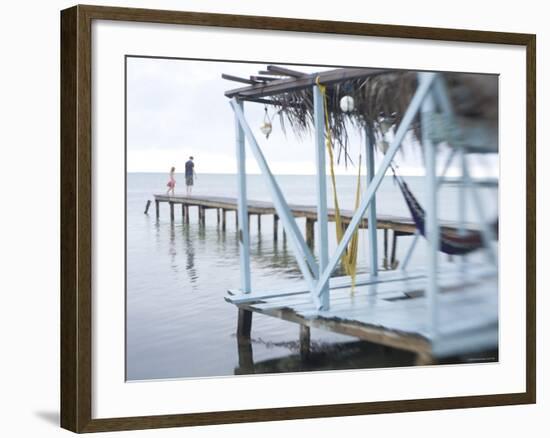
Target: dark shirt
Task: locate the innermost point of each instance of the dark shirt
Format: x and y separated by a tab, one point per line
189	166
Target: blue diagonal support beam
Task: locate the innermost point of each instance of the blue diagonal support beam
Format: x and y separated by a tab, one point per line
303	255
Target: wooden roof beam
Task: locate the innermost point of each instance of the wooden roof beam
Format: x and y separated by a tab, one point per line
285	85
284	71
238	79
263	78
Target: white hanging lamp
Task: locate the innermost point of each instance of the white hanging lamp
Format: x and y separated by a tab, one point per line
347	104
266	127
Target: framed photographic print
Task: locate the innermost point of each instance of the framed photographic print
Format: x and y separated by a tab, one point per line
267	218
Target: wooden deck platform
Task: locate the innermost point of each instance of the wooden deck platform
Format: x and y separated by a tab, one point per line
392	310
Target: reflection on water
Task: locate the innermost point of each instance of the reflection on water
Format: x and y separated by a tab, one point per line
178	323
322	357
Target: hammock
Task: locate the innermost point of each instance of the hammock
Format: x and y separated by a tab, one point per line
451	241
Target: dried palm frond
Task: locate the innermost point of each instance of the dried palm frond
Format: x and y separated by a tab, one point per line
474	97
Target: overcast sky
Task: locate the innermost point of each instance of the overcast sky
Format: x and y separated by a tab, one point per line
177	108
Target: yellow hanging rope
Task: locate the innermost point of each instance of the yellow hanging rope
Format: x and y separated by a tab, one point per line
349	259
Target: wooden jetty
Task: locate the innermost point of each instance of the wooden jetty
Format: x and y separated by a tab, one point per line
391	310
222	205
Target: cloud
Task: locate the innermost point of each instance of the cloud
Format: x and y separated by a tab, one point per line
177	108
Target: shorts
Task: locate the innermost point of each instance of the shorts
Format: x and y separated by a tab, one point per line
189	180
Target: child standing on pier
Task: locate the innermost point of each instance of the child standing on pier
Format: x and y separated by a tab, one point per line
171	182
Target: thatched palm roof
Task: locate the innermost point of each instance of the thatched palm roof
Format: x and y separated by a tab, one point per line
375	93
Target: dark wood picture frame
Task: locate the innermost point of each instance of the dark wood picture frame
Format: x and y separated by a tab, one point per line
76	218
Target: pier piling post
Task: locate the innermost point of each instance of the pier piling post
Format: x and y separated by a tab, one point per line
186	214
224	217
147	206
246	361
218	216
259	222
203	215
393	262
157	208
310	232
385	260
305	341
171	211
275	227
244	323
183	211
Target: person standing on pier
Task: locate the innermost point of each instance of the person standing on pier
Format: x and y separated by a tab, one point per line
189	175
171	182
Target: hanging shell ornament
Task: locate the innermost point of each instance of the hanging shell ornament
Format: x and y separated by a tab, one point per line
382	145
266	126
347	104
266	129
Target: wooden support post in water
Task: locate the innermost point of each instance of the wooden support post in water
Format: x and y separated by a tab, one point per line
244	323
385	260
393	262
275	227
147	206
218	216
186	214
259	222
171	211
224	217
183	211
310	232
202	216
157	208
305	341
246	361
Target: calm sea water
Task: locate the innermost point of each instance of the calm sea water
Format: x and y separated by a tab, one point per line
178	324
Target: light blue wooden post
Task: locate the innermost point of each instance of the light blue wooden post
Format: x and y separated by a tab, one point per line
373	228
462	193
432	225
322	216
244	246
